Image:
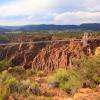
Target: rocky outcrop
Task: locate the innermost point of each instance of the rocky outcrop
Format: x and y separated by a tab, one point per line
47	56
97	51
56	55
87	94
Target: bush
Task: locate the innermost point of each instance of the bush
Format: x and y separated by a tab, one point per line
18	72
2	65
29	72
60	74
7	84
21	73
40	73
68	80
90	70
1	98
3	92
32	87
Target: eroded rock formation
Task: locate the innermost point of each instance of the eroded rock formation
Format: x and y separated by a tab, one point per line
47	56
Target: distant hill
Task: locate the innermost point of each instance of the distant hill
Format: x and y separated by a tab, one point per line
92	26
3	29
44	27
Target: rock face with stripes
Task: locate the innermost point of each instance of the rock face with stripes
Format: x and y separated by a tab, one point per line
47	56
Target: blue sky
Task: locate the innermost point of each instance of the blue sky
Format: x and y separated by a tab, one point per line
22	12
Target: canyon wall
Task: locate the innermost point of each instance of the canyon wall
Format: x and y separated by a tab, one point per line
47	56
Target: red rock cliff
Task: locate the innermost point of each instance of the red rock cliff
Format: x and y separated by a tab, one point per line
47	56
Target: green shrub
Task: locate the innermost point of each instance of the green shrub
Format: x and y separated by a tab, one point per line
1	98
96	78
10	85
73	83
40	73
3	92
68	80
34	88
18	72
29	72
21	73
89	69
7	84
59	75
2	65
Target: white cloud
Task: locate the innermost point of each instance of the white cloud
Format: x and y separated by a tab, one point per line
49	11
26	7
77	17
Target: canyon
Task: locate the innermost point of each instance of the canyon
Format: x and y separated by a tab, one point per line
43	60
47	56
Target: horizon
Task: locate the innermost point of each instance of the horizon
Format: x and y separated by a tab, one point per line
56	12
45	24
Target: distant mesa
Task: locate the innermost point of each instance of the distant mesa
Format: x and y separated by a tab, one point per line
45	27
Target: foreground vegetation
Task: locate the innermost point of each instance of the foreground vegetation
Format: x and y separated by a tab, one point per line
86	74
16	82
